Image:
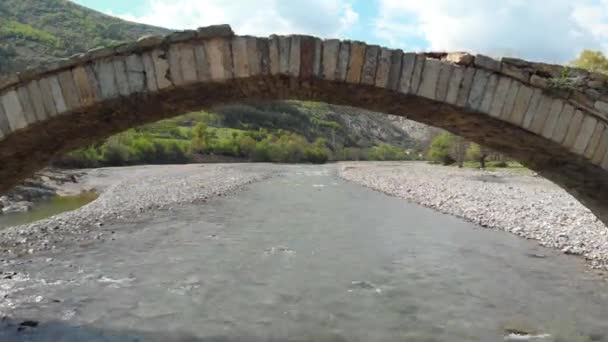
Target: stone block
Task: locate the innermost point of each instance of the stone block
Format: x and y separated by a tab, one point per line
150	72
240	59
541	114
107	80
220	59
355	64
295	53
187	63
135	73
13	110
263	53
430	76
478	89
254	56
36	97
601	106
215	31
604	163
5	127
343	59
58	98
26	104
443	81
370	65
318	61
120	73
573	129
539	81
454	84
181	36
594	142
330	59
556	108
562	124
520	107
307	57
384	68
509	104
465	87
584	135
486	62
601	149
70	93
407	72
273	55
488	95
284	53
149	41
460	58
516	72
537	95
47	97
203	71
500	95
84	86
394	75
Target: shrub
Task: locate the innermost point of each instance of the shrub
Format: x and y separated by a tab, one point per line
439	150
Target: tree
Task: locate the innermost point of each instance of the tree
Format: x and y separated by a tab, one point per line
202	137
439	150
478	153
592	61
458	149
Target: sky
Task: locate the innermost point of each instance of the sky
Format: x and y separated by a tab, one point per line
543	30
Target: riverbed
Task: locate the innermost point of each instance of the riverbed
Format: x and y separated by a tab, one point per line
302	256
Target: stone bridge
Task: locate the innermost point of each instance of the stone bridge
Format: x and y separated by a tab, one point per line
551	118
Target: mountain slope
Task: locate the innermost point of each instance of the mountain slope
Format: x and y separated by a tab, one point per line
36	31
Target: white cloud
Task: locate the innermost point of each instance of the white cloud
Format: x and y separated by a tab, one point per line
256	17
551	30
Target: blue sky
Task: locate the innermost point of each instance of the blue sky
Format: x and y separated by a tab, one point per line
544	30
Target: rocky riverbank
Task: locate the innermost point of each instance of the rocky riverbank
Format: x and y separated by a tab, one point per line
126	193
515	201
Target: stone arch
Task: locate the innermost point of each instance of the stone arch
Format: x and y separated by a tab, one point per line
551	118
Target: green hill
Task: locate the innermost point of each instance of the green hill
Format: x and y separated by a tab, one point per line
36	31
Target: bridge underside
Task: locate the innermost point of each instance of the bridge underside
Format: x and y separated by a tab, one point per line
30	149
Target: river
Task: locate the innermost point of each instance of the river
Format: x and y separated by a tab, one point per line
305	257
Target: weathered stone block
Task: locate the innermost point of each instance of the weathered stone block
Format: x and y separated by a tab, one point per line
181	36
187	63
150	73
573	129
330	59
107	80
26	104
584	135
240	59
355	64
537	95
430	76
5	127
542	112
604	163
135	73
273	54
307	57
443	82
407	71
488	95
203	71
254	56
454	84
465	87
36	97
13	110
295	53
563	122
318	61
47	97
57	93
384	68
220	59
500	95
460	58
395	70
539	81
522	101
120	73
68	86
83	86
215	31
594	142
487	63
343	59
370	65
556	108
478	89
509	104
601	149
172	57
284	52
262	53
149	41
516	72
601	106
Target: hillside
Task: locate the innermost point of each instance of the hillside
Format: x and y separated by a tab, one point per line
35	31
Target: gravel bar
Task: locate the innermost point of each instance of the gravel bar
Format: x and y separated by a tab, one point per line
515	201
126	193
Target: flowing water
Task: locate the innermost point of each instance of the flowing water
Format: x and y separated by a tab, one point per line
307	257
